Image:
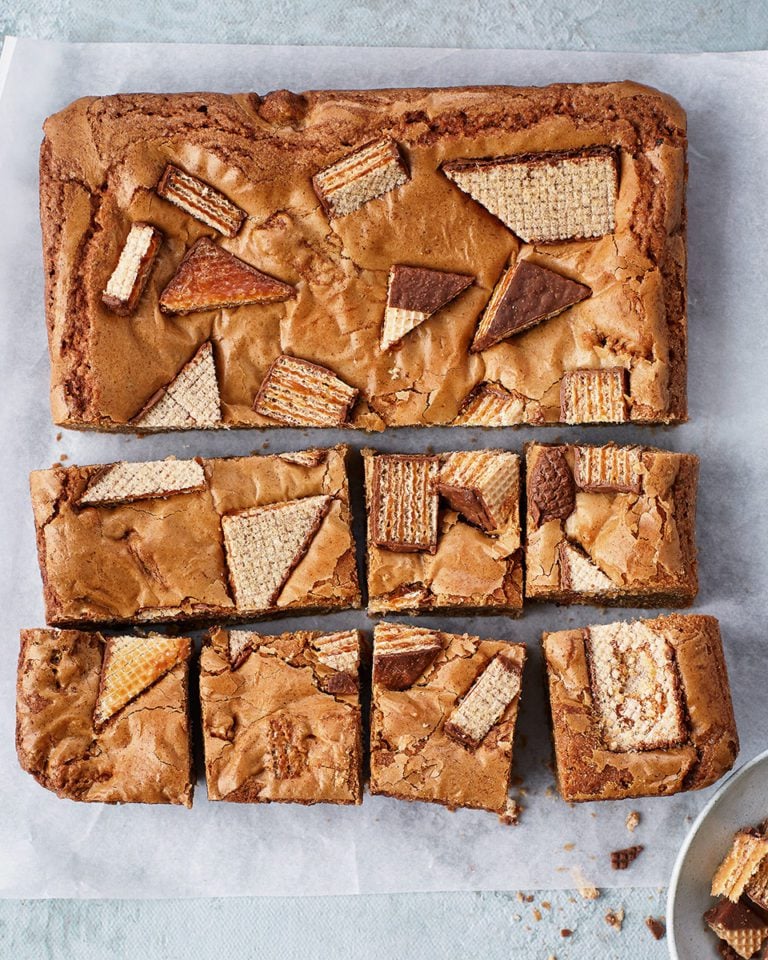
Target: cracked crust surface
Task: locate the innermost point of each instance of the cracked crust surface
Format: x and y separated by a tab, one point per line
470	570
588	770
142	755
164	559
103	156
284	724
413	757
639	544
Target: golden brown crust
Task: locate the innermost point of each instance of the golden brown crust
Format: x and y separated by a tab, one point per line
165	559
587	770
143	755
279	727
101	161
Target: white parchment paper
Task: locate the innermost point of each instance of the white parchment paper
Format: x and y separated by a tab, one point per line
56	848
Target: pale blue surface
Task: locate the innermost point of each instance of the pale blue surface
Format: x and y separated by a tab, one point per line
409	926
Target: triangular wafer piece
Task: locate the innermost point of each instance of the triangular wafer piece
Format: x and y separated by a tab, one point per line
490	405
124	482
304	394
210	278
739	926
562	195
414	294
190	400
131	665
240	645
579	574
481	485
525	295
402	653
339	651
264	545
748	851
484	705
370	172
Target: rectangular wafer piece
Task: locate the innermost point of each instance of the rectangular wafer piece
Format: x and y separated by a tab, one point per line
403	505
200	200
594	396
371	171
482	708
608	469
303	394
748	851
131	273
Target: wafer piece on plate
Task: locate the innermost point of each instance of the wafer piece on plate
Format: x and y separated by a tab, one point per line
190	401
303	394
443	717
126	284
370	172
741	928
105	720
414	294
748	852
200	200
124	482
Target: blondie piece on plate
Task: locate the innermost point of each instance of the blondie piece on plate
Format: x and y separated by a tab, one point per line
281	716
228	539
105	719
611	525
640	709
443	717
444	532
373	258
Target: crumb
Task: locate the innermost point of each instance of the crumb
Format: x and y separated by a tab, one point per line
265	445
58	437
569	846
546	905
566	933
511	815
589	893
536	914
633	819
549	792
529	898
519	896
621	859
657	927
516	917
615	919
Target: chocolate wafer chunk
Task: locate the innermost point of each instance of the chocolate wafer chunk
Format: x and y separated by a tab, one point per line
124	482
370	172
191	399
748	851
481	485
545	197
486	702
525	295
621	859
126	284
339	653
580	574
403	503
635	687
551	490
132	665
200	200
741	928
265	544
608	469
594	396
303	394
402	653
490	405
414	294
211	278
757	887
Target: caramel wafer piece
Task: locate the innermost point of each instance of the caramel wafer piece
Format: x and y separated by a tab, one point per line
608	469
200	200
403	503
485	703
304	394
490	405
124	482
594	396
370	172
481	485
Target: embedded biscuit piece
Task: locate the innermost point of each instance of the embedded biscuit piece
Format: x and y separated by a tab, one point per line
443	715
240	644
636	687
200	200
594	396
265	544
622	859
141	753
211	278
748	851
484	705
550	487
305	458
579	574
639	709
490	405
370	172
126	285
608	469
525	295
123	482
191	400
741	928
403	503
545	197
284	724
401	654
304	394
482	485
414	294
757	887
132	665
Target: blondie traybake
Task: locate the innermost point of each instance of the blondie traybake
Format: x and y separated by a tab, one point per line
224	539
486	255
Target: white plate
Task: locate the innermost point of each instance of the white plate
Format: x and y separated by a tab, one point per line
742	801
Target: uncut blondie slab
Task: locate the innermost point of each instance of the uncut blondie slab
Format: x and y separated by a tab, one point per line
226	539
640	709
281	717
105	719
482	255
611	525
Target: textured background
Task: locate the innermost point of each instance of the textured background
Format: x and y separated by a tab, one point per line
409	926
